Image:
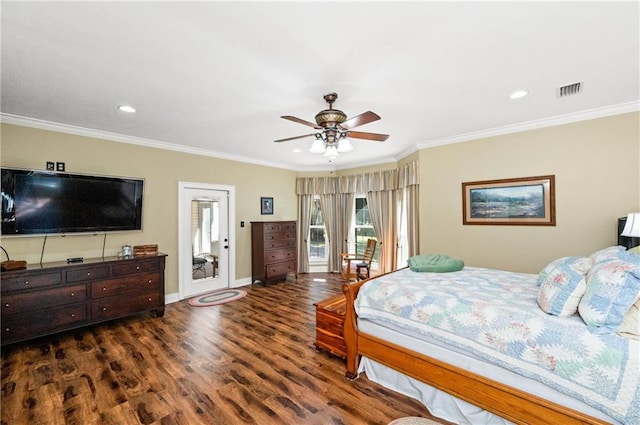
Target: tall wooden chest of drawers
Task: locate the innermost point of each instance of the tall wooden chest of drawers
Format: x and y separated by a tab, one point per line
273	250
53	297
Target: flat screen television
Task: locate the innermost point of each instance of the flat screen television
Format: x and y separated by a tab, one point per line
44	202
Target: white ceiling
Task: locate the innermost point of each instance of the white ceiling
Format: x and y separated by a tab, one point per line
214	77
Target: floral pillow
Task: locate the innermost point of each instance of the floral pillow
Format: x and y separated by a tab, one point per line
612	288
562	285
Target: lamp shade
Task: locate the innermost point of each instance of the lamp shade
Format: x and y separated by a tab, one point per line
317	146
331	152
344	145
632	226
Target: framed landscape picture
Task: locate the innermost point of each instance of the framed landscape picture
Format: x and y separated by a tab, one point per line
528	201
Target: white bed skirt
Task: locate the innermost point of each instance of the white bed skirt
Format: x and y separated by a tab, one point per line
439	403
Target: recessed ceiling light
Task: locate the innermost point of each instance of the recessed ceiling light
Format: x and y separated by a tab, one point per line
127	108
518	94
297	151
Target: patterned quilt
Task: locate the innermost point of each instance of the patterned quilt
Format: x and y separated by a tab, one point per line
494	315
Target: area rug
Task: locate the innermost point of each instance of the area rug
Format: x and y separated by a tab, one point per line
217	297
413	421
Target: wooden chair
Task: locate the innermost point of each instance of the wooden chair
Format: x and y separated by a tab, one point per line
356	266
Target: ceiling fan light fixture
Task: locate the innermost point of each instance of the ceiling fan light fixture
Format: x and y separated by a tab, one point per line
317	146
332	128
344	145
331	152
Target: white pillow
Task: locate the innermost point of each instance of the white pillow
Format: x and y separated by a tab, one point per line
562	285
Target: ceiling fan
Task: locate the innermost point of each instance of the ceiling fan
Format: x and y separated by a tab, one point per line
335	129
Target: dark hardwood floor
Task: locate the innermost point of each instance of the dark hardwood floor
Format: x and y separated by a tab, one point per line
251	361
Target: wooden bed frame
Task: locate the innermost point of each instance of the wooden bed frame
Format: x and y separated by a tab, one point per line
508	402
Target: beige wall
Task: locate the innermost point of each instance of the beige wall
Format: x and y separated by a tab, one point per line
597	180
24	147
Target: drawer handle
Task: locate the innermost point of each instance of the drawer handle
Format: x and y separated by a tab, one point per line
149	299
73	294
150	280
104	288
88	273
26	282
137	267
7	329
73	315
6	305
104	308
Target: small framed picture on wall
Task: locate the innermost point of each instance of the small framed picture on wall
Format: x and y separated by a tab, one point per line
266	205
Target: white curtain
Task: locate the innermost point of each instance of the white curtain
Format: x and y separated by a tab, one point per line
384	191
305	207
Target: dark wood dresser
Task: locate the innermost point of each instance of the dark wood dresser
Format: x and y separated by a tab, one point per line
273	250
53	297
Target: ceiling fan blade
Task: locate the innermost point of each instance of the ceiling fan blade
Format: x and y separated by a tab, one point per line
368	136
300	121
361	119
294	138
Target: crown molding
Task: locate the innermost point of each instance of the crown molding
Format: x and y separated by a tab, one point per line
121	138
534	124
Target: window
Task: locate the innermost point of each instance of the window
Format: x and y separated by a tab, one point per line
362	230
363	227
317	235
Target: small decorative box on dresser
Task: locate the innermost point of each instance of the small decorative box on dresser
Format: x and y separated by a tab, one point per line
273	250
53	297
330	314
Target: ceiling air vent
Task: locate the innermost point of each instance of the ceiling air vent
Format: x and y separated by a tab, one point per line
569	90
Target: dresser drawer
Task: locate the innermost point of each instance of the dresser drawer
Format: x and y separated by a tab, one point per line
125	285
289	227
32	281
280	269
272	227
87	273
22	326
127	268
111	308
279	236
274	256
34	301
287	243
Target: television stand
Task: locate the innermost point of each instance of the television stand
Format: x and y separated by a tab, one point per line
48	298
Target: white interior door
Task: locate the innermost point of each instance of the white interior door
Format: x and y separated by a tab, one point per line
204	238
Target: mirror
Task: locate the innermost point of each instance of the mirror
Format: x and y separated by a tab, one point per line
205	238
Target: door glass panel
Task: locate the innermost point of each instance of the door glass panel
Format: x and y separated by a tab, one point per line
205	231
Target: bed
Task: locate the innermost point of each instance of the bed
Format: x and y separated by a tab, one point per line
475	346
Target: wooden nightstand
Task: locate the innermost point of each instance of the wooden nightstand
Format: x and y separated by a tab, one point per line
330	314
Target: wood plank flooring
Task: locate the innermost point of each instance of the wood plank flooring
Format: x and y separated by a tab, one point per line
251	361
